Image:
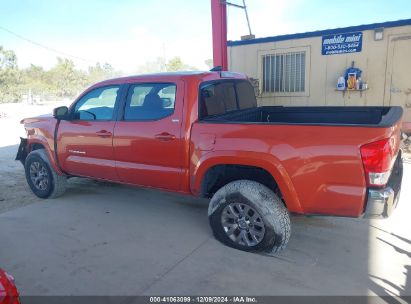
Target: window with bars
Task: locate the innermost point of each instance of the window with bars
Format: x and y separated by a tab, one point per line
284	73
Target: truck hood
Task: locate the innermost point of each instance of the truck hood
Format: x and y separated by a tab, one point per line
44	117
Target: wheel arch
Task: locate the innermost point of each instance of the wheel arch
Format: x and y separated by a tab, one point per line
259	167
36	143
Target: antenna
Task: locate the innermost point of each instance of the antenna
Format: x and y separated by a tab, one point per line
244	7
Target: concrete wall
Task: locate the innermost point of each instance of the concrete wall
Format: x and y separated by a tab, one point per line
323	71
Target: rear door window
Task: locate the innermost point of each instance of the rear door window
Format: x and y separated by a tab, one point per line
150	101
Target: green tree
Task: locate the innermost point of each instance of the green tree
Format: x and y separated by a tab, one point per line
34	79
10	77
176	64
209	63
62	80
8	59
98	73
65	79
152	66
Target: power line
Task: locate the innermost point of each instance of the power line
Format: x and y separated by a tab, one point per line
44	46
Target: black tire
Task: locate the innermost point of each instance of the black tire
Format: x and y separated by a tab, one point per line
234	201
52	185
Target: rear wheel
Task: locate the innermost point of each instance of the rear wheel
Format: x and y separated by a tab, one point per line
248	216
41	177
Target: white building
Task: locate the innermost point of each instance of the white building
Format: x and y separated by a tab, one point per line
303	69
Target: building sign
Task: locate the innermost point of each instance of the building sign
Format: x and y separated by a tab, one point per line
342	43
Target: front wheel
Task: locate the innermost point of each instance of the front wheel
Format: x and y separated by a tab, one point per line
41	177
249	216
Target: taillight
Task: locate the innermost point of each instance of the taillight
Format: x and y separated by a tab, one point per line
378	158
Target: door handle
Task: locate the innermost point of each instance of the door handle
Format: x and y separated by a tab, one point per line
104	133
165	136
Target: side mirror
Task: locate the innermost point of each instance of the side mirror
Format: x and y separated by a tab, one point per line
60	113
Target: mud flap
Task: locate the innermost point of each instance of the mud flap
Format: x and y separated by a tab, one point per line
22	151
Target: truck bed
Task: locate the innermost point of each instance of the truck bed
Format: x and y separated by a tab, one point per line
347	116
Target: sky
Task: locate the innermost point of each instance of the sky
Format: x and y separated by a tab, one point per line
129	33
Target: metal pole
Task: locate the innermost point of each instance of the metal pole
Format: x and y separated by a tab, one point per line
219	23
246	15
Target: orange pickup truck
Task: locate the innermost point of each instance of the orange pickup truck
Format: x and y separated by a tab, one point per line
202	133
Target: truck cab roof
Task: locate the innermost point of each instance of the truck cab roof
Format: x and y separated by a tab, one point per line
172	76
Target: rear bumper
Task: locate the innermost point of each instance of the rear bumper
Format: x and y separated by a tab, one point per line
382	202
